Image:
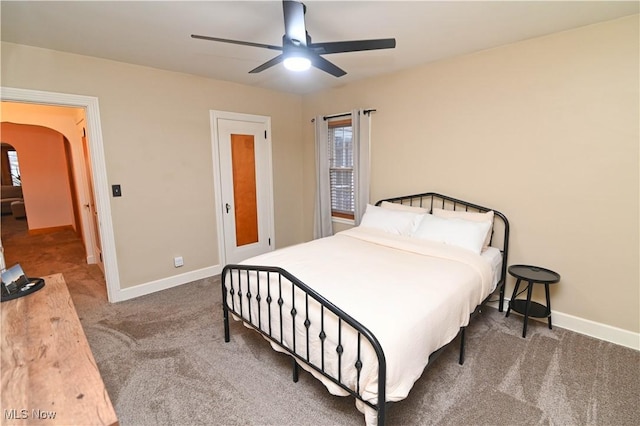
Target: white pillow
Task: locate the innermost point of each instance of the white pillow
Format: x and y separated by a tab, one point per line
403	207
393	221
456	232
473	216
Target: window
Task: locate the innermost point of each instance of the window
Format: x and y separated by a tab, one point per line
9	167
14	167
341	169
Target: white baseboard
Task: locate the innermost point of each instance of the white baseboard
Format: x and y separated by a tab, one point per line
589	328
598	330
165	283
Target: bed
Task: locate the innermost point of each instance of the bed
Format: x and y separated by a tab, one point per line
366	310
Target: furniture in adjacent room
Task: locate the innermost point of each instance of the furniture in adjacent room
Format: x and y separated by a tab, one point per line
49	375
532	275
18	210
9	194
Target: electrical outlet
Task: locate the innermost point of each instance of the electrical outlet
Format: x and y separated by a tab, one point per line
178	261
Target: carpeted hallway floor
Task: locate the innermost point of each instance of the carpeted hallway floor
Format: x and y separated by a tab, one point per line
164	362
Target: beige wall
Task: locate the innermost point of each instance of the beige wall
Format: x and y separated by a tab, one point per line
44	174
157	143
545	131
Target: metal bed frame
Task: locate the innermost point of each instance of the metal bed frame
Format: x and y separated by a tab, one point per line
269	296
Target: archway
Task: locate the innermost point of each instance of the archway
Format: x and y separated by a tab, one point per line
46	175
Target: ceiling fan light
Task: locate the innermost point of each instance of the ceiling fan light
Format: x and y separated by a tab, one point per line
297	63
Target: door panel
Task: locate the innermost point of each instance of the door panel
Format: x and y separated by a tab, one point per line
244	156
244	188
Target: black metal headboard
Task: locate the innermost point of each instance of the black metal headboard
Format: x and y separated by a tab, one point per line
500	230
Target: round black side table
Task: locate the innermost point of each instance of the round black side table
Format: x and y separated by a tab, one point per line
533	275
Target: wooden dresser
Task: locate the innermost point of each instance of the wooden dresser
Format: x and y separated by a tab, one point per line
49	375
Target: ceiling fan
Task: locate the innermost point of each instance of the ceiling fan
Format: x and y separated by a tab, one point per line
298	52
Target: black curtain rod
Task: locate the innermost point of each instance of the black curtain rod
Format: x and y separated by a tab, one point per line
345	114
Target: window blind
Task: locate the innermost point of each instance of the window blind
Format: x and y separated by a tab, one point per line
341	168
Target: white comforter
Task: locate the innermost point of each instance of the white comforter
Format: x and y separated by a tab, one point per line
413	295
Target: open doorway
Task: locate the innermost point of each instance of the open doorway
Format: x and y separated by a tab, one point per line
92	130
56	178
43	231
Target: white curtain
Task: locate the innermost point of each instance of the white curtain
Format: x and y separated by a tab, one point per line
322	216
361	128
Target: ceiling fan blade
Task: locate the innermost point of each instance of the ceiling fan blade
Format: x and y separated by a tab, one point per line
243	43
326	66
297	43
295	31
352	46
268	64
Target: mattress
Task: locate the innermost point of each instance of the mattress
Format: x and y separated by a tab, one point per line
493	257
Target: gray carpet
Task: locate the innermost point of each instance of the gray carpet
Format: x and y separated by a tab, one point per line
164	362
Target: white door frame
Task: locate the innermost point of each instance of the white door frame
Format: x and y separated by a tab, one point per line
98	165
217	178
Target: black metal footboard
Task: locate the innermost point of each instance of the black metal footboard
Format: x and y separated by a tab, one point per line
283	308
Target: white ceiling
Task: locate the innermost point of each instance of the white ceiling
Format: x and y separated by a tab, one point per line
157	33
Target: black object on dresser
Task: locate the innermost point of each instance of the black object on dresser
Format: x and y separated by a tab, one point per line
532	275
